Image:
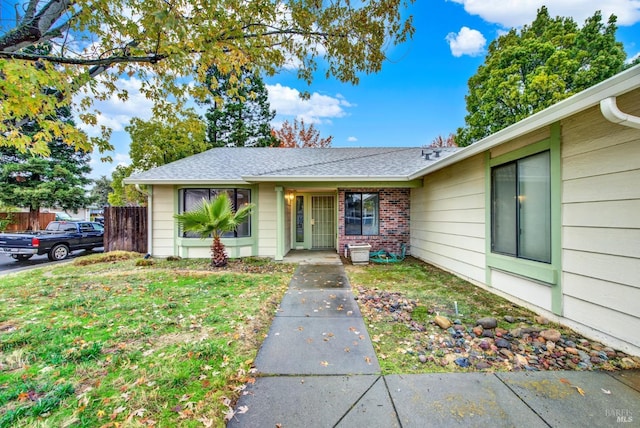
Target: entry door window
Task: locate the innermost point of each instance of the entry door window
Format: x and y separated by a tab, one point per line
300	219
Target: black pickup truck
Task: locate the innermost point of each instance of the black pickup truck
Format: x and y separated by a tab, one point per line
57	240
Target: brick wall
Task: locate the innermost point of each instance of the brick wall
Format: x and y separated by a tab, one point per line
394	220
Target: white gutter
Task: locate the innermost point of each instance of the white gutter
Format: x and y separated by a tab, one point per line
612	113
322	178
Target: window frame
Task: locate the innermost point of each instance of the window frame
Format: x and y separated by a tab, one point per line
362	217
544	273
212	192
517	251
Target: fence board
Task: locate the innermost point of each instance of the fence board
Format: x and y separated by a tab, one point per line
125	229
20	221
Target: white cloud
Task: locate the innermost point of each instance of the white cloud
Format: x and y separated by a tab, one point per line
352	139
633	58
317	109
466	42
516	13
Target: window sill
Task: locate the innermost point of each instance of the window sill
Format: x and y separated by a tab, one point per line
538	271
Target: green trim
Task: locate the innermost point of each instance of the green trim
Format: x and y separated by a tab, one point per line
548	273
280	223
233	245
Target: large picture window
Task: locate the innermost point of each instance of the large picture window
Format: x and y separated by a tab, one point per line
361	213
521	208
191	198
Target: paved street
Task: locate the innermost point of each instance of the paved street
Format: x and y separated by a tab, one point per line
8	264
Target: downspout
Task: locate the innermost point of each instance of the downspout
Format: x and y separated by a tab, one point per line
612	113
149	195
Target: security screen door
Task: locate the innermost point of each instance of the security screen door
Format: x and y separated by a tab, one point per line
323	224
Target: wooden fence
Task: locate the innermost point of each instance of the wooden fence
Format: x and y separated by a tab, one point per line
125	229
20	221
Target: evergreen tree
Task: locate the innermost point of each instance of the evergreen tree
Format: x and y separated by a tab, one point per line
100	191
240	115
529	70
33	182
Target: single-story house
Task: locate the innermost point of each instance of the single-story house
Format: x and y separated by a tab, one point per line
545	212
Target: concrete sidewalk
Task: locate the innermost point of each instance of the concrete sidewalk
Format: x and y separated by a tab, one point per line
317	368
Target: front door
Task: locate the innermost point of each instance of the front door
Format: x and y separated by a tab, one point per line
314	225
323	225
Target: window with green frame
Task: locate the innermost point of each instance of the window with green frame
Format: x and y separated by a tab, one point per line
521	208
190	198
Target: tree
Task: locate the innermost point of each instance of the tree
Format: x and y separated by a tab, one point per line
125	195
100	191
213	218
440	141
241	113
156	142
298	135
168	46
57	180
529	70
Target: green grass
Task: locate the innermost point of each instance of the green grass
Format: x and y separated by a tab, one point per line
107	342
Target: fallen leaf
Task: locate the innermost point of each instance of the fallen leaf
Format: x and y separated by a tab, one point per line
324	363
368	360
605	391
565	381
347	349
580	390
242	410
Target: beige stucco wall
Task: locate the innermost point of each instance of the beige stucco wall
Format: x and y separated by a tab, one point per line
448	219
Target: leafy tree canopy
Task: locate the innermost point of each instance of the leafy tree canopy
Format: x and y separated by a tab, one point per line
529	70
125	195
299	135
241	114
156	142
168	46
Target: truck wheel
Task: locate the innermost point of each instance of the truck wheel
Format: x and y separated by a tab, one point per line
22	257
58	252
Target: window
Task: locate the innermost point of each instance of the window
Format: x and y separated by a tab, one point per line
361	213
191	198
521	208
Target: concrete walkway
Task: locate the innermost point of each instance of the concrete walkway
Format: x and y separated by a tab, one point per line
318	368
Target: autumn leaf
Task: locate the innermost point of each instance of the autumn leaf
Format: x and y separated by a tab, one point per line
324	363
605	391
368	360
242	410
100	414
580	390
23	396
565	381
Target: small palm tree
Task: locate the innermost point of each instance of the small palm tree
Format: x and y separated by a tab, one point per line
214	218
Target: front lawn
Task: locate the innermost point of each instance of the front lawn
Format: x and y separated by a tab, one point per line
162	343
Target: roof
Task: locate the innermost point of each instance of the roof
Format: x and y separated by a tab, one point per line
241	165
399	164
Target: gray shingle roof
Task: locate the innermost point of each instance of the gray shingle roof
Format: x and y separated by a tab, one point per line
240	164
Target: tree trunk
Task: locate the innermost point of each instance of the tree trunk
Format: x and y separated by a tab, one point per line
34	218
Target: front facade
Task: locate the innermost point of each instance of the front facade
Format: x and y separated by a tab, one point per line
545	212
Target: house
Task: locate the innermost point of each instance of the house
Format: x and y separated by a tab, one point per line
545	212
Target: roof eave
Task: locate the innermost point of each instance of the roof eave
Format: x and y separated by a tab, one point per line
172	181
614	86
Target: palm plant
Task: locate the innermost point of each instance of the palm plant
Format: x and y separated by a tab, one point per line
214	218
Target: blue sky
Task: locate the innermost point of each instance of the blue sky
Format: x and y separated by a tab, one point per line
419	94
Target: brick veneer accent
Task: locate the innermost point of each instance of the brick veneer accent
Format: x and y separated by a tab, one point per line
394	220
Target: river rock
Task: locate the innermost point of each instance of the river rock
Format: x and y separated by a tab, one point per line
443	322
551	334
487	322
541	320
477	330
570	350
503	343
509	319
